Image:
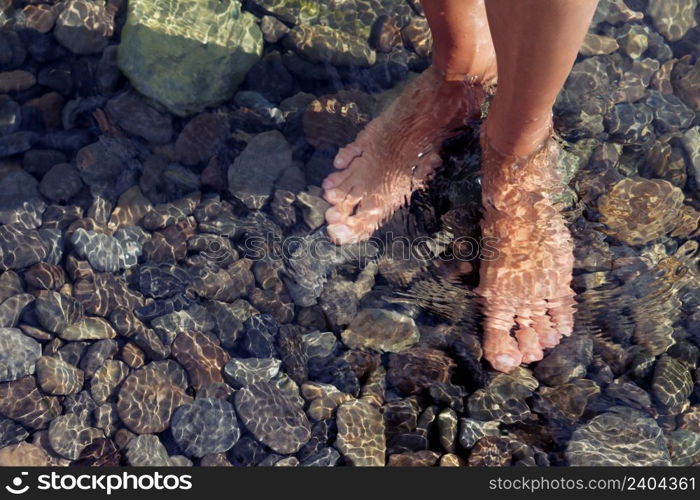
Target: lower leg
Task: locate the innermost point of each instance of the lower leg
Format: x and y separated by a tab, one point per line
461	39
536	43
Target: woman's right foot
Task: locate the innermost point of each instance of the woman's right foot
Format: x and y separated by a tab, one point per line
396	154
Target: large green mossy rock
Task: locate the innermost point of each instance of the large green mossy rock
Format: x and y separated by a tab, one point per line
188	54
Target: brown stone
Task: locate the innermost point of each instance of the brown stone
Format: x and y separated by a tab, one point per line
201	356
16	81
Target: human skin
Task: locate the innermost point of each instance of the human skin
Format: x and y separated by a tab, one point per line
529	47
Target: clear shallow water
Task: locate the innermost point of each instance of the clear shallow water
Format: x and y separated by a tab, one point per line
173	233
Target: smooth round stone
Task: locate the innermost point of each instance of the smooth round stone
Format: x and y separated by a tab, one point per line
24	455
275	418
606	440
10	117
18	354
61	182
69	434
324	44
22	401
242	372
40	18
147	451
201	138
55	311
188	54
381	330
637	211
361	434
133	113
84	26
253	186
58	377
472	430
16	81
672	384
106	379
104	252
12	308
202	357
88	328
147	400
205	426
11	432
673	19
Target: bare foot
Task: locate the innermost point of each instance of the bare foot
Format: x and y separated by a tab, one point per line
525	286
396	154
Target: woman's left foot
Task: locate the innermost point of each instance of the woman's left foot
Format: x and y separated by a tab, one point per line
525	285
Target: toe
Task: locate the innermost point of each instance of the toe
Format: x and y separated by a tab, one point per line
528	341
562	313
542	323
346	155
335	179
500	348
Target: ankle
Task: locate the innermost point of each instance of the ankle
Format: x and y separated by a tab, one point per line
512	136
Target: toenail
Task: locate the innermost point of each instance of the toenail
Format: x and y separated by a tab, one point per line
327	183
338	161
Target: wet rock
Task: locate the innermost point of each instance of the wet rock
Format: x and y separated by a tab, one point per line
45	276
324	44
10	117
595	45
201	138
418	368
58	377
16	81
423	458
189	54
97	354
684	447
24	455
382	330
503	399
88	329
55	311
605	441
272	29
201	356
447	428
11	433
417	37
385	34
69	434
251	184
361	434
685	81
566	361
18	354
472	431
12	308
147	400
275	418
670	113
672	384
633	40
323	399
84	27
630	123
104	252
40	18
20	247
242	372
205	426
673	19
101	452
106	379
277	304
146	450
637	211
61	183
490	451
133	113
22	401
